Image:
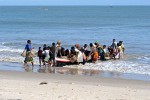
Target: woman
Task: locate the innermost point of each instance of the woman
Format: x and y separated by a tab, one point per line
94	53
29	55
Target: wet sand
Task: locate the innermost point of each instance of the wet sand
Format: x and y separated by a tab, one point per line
74	71
48	86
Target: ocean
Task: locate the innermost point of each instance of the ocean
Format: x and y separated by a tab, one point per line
82	25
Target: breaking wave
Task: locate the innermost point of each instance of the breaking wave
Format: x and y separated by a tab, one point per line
117	66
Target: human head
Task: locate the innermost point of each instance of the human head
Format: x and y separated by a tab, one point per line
104	46
114	40
85	45
120	42
39	48
67	52
72	48
77	46
44	45
29	41
91	44
58	42
48	48
53	44
96	44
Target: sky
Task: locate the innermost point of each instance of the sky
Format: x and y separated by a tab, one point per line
74	2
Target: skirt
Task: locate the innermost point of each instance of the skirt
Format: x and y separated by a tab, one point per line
28	57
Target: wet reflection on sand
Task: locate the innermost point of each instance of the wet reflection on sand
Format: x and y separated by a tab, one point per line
73	71
86	72
46	70
27	68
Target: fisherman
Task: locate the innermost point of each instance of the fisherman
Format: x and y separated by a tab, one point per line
29	55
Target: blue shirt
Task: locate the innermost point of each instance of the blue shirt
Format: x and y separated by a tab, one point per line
28	47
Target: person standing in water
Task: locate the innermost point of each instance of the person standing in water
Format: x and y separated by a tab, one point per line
58	49
122	48
53	54
29	55
80	55
114	45
40	56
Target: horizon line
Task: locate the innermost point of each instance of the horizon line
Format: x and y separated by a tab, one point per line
75	5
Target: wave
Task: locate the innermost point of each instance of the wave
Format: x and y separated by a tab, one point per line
17	59
140	66
10	50
14	50
11	43
116	66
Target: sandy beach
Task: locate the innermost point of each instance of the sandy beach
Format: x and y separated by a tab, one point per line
47	86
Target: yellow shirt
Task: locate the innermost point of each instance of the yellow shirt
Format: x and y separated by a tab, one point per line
122	47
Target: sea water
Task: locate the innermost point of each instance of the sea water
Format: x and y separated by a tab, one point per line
82	25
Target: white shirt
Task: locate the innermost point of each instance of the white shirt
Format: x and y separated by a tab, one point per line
46	52
105	50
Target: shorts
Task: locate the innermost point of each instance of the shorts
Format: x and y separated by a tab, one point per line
52	57
40	57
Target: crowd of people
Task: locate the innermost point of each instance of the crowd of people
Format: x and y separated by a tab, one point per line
76	54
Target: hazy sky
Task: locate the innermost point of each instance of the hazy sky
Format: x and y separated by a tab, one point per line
74	2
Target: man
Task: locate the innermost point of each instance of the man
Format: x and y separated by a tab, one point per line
114	44
58	49
52	54
29	55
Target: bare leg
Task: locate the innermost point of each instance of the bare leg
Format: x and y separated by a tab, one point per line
32	65
40	62
52	62
49	66
25	64
44	63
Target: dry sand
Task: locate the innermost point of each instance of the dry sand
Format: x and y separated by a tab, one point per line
46	86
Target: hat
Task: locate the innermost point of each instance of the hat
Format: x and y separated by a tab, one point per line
58	42
96	41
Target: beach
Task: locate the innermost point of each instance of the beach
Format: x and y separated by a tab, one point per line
17	85
122	79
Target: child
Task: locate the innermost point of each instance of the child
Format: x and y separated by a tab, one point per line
47	56
40	55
